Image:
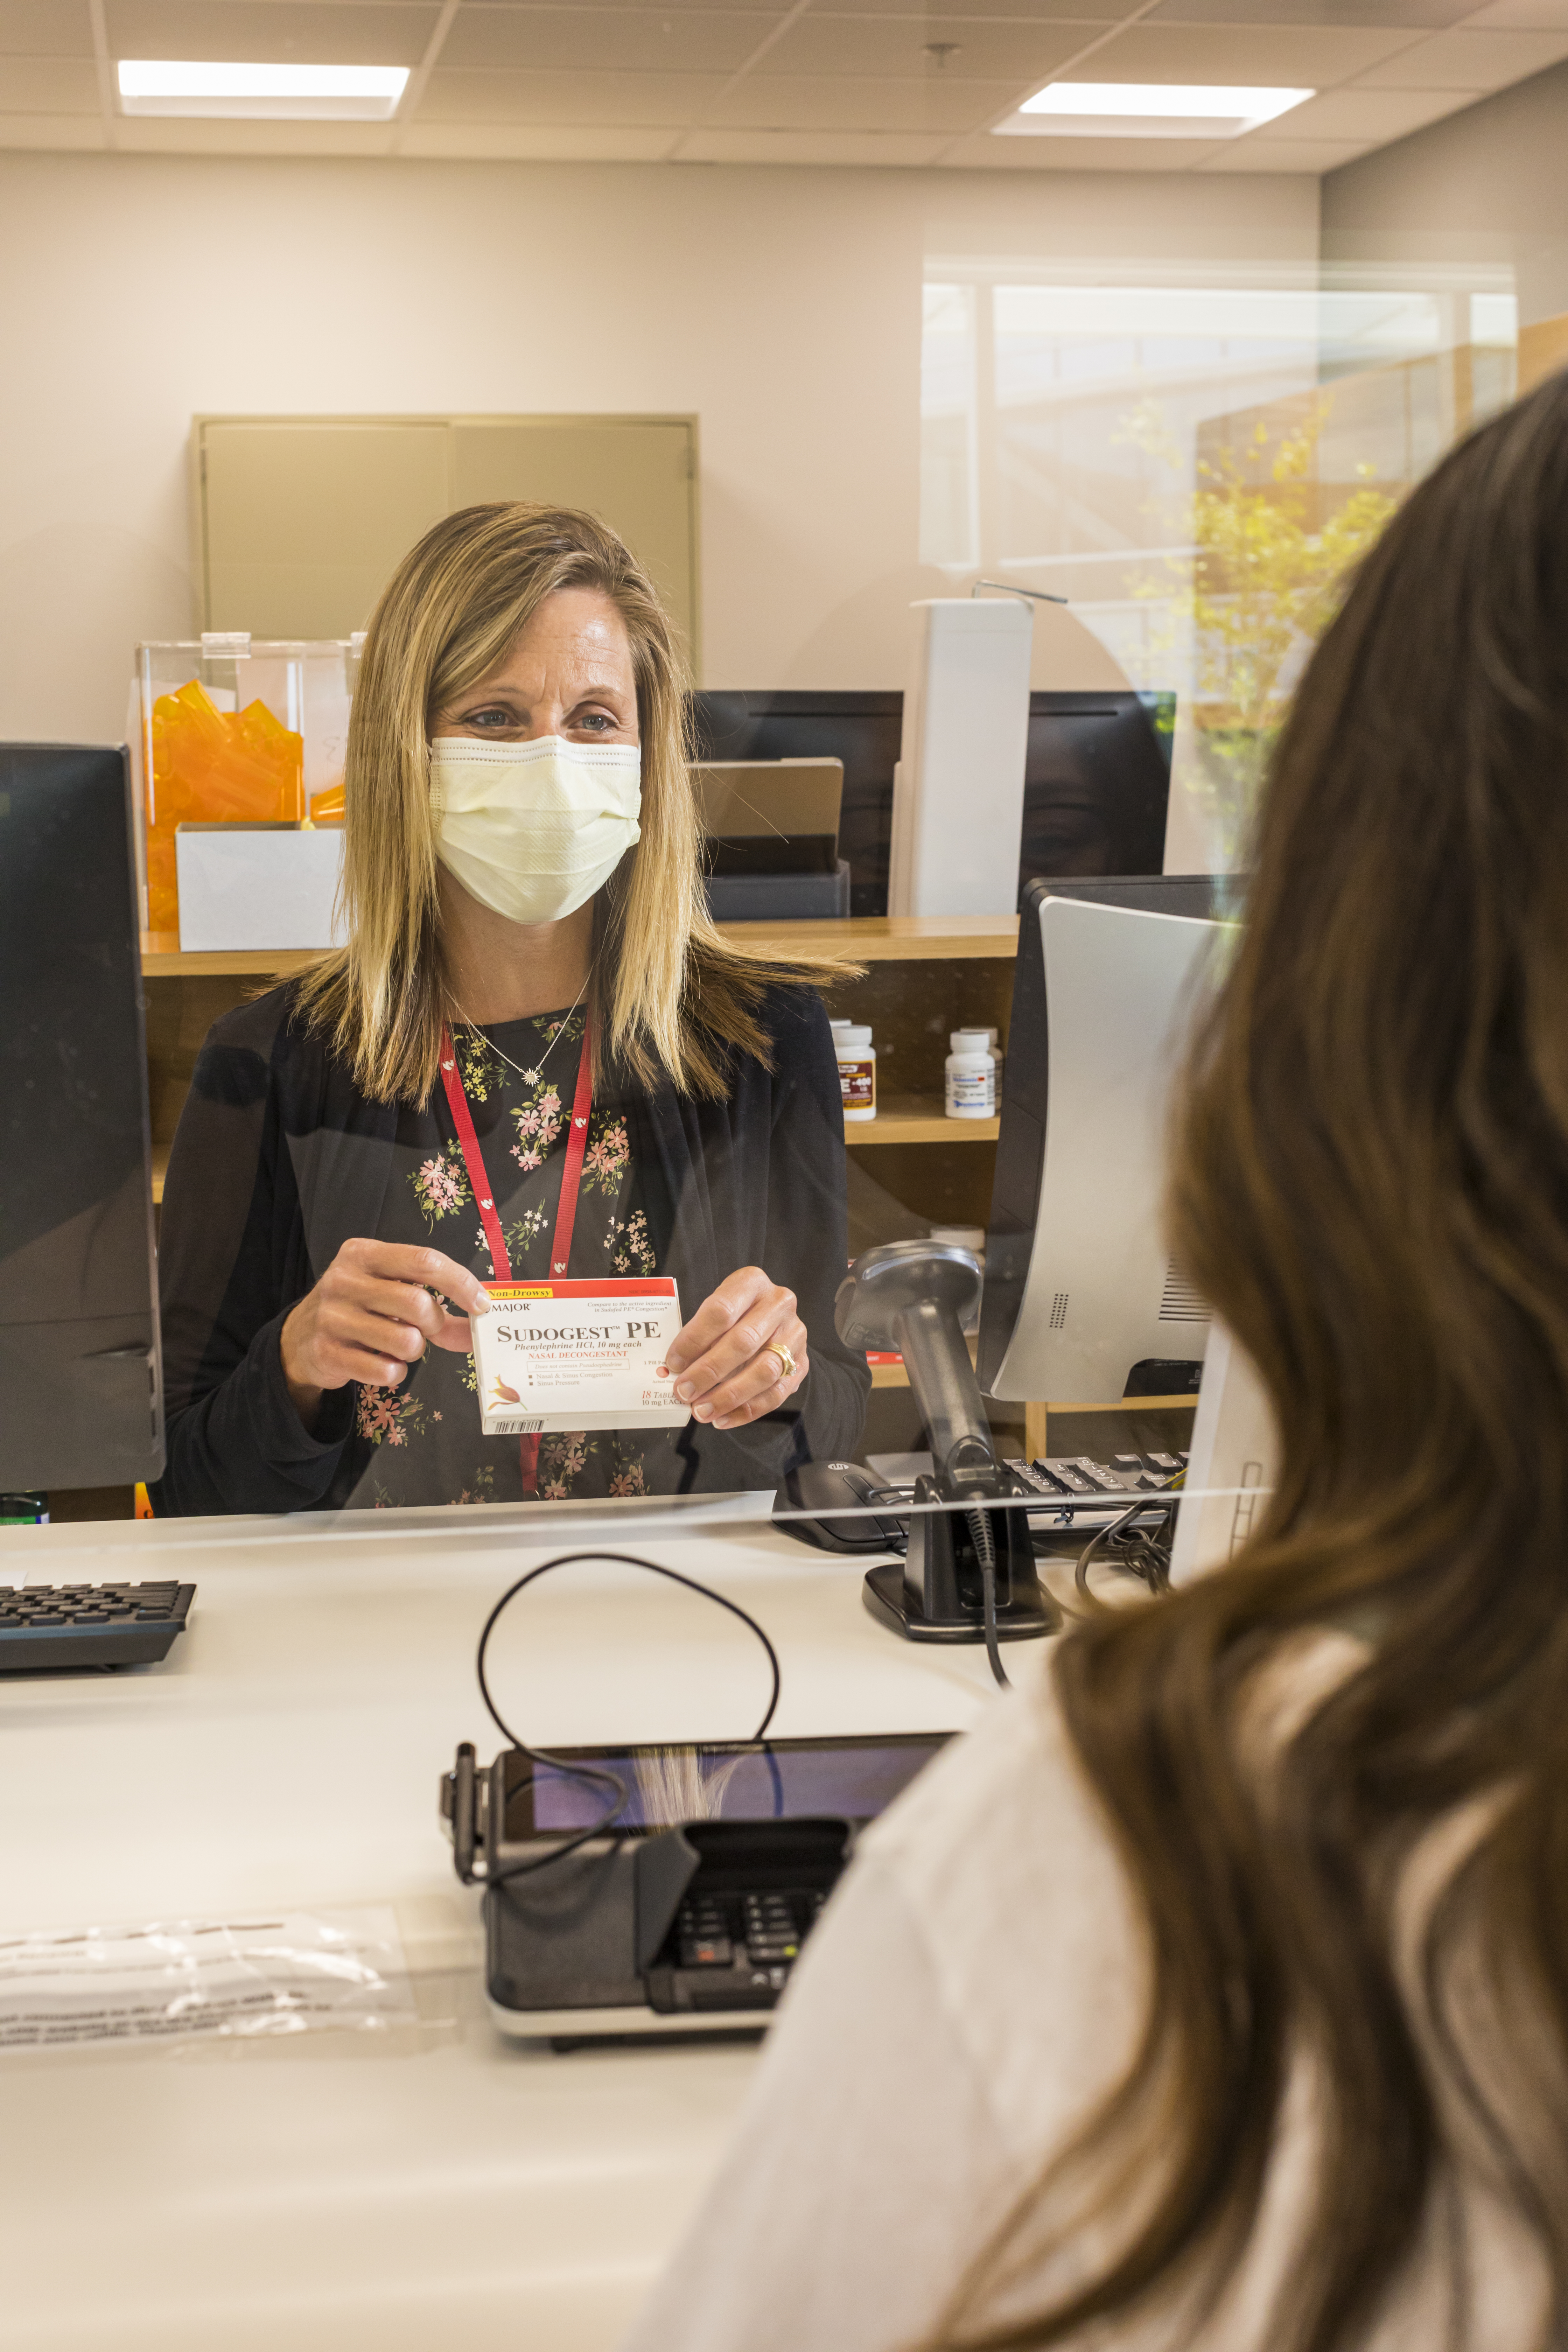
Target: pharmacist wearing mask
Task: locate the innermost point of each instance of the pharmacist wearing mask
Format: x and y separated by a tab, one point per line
528	960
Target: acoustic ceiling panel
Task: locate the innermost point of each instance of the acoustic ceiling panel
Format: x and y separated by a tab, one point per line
900	82
282	32
636	40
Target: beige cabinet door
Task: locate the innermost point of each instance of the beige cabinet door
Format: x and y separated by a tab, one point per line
302	522
639	476
301	519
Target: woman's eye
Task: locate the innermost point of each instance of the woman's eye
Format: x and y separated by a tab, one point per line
489	718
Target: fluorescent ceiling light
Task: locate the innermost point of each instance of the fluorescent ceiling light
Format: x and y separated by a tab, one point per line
274	92
1139	110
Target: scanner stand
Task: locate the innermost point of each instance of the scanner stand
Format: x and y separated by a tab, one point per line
933	1594
910	1297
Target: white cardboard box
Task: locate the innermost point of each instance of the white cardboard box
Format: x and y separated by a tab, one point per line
577	1355
258	886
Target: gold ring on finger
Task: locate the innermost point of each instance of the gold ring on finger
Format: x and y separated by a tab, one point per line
786	1362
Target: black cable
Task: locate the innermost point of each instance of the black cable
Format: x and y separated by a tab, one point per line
1142	1554
593	1774
985	1551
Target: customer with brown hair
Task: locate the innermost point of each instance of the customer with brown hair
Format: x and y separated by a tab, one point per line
534	1056
1215	1991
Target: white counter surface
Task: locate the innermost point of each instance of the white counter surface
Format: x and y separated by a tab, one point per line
432	2187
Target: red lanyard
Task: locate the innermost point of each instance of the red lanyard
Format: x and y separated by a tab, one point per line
479	1183
473	1159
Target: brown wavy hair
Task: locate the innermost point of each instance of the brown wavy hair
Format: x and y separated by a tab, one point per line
670	994
1371	1186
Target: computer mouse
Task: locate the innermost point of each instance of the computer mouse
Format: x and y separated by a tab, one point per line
822	1487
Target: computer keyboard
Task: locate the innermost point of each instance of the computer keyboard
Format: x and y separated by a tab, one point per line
1070	1478
67	1627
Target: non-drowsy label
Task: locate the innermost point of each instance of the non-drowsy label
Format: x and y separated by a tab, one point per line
577	1355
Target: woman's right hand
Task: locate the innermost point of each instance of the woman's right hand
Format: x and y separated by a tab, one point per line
371	1316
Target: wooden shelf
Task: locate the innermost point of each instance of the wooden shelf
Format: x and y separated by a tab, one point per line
161	960
858	938
915	1118
887	939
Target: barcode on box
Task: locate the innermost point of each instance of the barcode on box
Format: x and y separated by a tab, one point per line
516	1428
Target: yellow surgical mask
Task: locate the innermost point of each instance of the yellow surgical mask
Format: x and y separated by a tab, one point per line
531	830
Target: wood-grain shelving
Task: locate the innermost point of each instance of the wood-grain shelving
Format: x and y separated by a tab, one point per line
858	938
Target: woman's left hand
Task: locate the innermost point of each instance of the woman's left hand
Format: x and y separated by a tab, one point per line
723	1360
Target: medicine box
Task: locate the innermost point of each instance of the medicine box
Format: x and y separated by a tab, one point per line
577	1355
258	886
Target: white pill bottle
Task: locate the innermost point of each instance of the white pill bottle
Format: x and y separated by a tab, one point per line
857	1068
963	1041
971	1081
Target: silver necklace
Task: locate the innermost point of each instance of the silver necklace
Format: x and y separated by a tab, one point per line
530	1076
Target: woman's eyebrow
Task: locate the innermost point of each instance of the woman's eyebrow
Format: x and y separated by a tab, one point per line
482	693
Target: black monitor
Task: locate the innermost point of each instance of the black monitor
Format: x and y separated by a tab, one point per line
80	1370
864	731
1097	779
1096	782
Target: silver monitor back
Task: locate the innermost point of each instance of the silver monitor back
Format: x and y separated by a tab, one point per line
1082	1302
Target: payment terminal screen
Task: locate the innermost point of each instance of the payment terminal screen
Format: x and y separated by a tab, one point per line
782	1780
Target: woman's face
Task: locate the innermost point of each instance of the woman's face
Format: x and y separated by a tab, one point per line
568	673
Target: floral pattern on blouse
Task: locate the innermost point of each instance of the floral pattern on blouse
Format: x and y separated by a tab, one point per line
441	1184
428	1446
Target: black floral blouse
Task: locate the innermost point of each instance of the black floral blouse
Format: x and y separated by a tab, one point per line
520	1077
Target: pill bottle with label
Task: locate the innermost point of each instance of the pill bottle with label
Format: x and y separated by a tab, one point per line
857	1068
971	1082
963	1041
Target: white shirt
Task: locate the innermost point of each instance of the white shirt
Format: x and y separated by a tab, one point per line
972	1992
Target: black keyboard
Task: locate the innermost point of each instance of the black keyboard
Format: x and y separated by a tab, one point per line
69	1628
1076	1478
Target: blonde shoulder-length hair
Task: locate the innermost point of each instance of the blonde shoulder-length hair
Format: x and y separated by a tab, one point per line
670	995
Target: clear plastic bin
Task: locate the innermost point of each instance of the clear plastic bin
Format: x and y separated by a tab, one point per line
234	729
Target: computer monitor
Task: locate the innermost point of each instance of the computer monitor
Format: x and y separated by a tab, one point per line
1082	1302
864	731
1096	780
80	1370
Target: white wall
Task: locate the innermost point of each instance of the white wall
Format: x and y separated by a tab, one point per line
783	306
1488	184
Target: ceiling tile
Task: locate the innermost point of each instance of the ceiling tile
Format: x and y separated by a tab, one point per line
503	95
1313	156
859	102
47	85
52	133
198	134
1467	60
1140	155
1412	14
308	32
538	143
1094	14
766	10
1523	15
896	47
907	148
636	40
1373	115
45	28
1282	55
